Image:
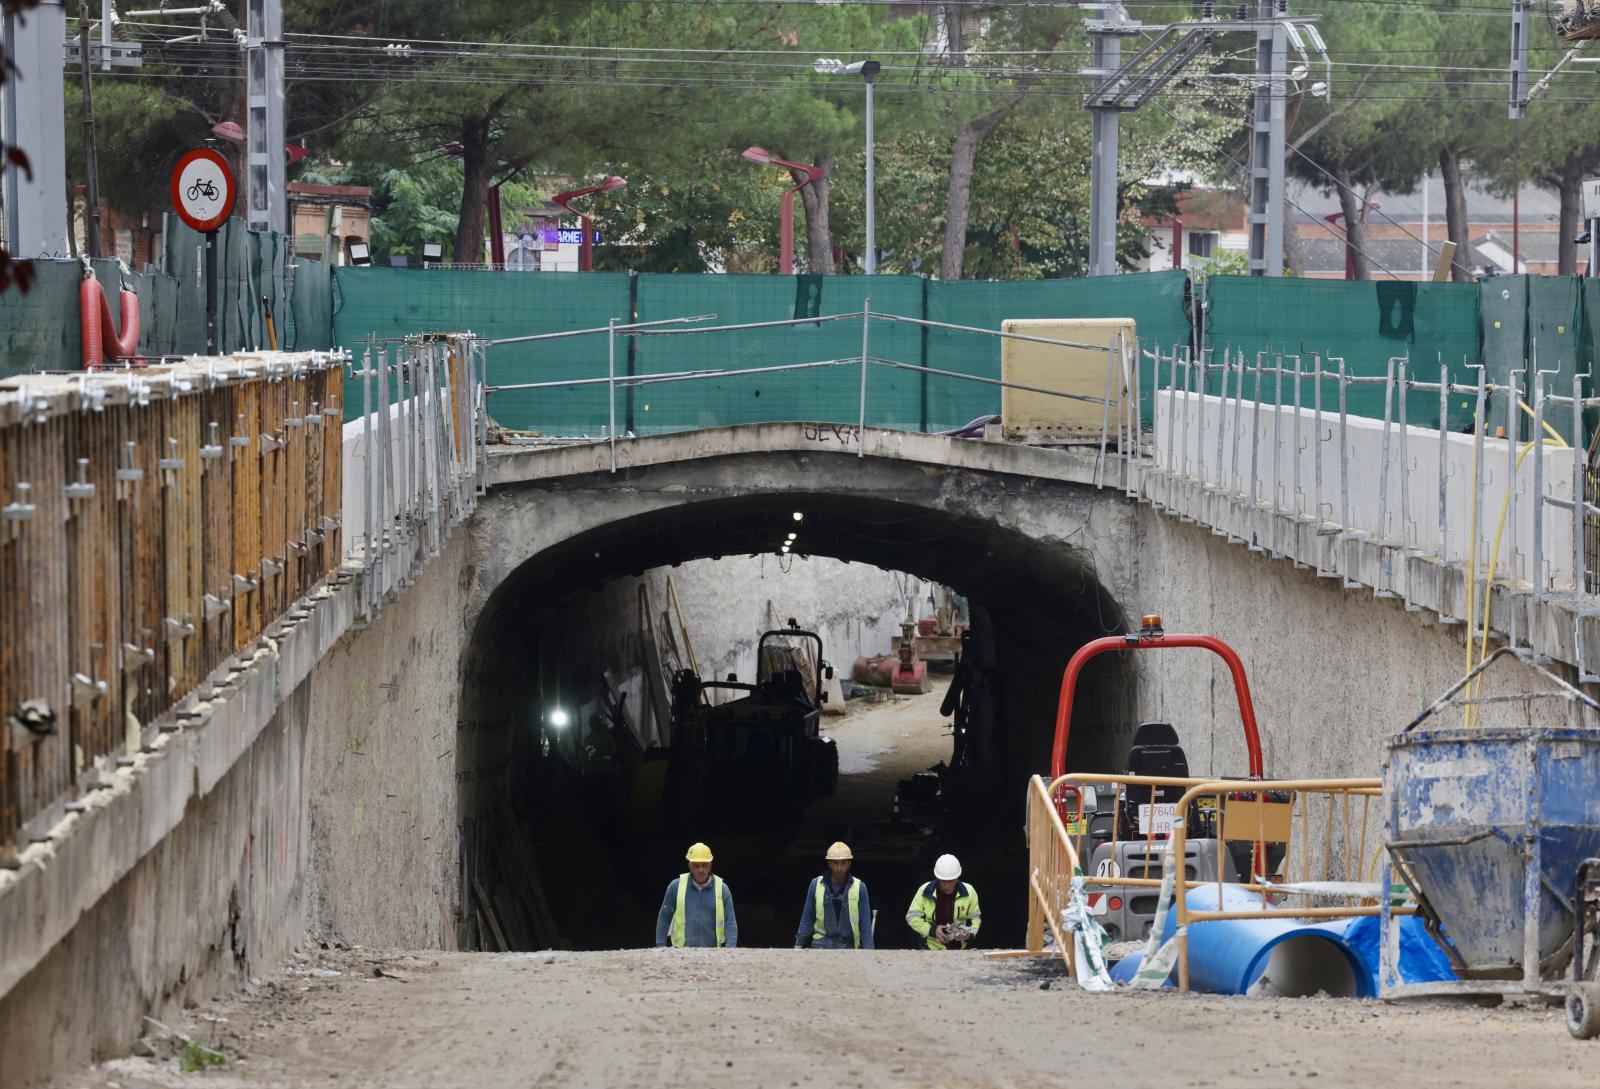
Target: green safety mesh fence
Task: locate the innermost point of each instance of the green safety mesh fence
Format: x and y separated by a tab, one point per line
250	265
1542	321
1154	300
308	325
390	304
831	394
1365	323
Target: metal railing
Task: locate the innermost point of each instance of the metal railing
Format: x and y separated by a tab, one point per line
1275	449
422	404
1336	868
1331	858
1119	356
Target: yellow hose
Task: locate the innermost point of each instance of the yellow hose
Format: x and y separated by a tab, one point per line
1470	716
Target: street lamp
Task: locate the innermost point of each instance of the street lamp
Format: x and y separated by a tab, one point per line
586	244
867	70
786	212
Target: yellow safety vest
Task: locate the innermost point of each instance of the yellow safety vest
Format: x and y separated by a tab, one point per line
923	908
854	896
677	916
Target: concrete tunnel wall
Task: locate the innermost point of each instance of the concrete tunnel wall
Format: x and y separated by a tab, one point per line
1333	672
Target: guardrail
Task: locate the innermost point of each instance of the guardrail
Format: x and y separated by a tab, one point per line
1274	450
157	522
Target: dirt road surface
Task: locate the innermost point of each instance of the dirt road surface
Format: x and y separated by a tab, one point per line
800	1019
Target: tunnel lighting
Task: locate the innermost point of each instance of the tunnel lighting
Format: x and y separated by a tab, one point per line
798	517
557	718
784	550
792	536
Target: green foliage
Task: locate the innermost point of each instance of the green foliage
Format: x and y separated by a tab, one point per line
195	1058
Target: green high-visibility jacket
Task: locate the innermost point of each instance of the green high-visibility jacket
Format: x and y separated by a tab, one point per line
919	916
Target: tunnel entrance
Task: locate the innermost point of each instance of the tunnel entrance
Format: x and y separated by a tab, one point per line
570	836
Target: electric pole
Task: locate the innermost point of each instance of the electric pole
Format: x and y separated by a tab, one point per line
266	207
91	167
1266	141
1127	84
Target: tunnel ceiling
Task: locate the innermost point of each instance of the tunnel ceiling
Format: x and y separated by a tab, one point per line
986	562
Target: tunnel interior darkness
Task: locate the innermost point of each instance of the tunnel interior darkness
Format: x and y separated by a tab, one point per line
601	863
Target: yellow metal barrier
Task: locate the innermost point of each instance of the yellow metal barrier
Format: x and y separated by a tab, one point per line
1334	867
1052	863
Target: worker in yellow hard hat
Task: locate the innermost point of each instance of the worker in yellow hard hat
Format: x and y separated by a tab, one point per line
698	907
836	914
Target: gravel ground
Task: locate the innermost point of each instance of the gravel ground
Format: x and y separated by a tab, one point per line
768	1017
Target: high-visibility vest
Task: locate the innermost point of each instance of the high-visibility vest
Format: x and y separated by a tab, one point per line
923	908
678	915
854	897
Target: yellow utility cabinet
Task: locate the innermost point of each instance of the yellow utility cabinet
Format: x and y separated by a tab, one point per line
1096	346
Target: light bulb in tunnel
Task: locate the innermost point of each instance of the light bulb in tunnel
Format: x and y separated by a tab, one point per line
558	718
798	517
784	550
792	536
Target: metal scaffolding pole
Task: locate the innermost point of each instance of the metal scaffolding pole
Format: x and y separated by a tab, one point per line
265	201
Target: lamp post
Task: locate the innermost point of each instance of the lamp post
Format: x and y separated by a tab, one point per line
786	207
867	70
586	244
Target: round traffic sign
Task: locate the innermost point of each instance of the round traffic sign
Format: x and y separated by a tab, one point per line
203	189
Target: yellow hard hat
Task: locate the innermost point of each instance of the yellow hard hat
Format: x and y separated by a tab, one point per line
839	852
698	852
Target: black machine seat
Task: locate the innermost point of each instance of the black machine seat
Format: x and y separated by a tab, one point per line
1155	752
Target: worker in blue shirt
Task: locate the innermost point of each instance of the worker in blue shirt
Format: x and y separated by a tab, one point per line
836	914
698	907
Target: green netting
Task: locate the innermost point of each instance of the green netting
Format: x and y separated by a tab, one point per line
40	330
1154	300
1364	323
250	264
830	394
1535	320
389	304
308	325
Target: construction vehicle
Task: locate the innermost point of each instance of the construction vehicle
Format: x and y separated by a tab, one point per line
1123	832
756	760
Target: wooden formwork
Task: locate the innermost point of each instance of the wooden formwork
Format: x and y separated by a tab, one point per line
143	514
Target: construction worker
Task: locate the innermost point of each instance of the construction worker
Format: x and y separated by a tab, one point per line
836	914
698	908
945	911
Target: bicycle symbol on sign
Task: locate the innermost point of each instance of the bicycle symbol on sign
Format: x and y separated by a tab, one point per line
205	187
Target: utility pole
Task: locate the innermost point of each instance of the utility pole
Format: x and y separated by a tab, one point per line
1517	93
34	119
1127	84
1104	111
266	206
91	166
1266	141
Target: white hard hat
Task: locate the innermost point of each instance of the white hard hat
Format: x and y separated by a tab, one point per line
947	868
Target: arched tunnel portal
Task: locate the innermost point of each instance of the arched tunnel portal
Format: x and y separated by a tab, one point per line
1033	559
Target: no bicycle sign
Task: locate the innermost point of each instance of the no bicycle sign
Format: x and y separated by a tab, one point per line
203	189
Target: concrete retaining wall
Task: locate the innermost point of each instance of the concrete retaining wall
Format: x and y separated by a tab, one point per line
1333	671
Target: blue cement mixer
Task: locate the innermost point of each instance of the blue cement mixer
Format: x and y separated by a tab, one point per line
1491	825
